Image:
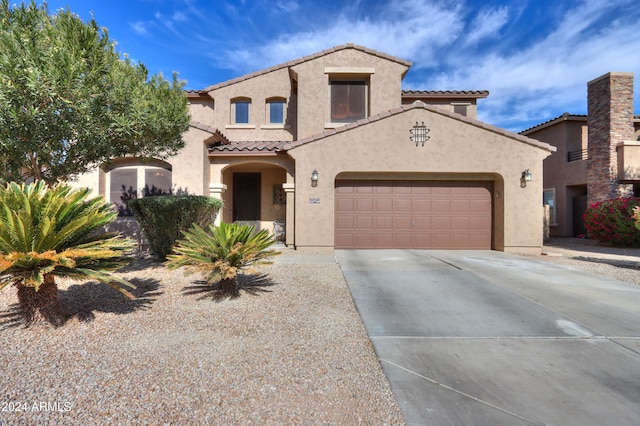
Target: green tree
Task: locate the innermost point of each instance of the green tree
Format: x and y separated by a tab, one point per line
70	102
221	252
49	231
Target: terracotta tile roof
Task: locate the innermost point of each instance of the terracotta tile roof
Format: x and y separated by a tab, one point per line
248	147
421	105
216	135
308	58
445	93
196	94
564	117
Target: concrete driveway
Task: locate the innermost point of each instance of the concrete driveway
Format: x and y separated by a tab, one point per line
488	338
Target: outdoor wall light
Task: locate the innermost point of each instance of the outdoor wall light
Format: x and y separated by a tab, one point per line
314	178
524	178
419	133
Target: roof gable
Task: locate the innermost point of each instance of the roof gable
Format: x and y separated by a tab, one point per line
306	59
564	117
421	105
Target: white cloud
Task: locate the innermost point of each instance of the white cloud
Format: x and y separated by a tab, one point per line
179	17
454	47
550	76
139	28
398	30
287	5
487	25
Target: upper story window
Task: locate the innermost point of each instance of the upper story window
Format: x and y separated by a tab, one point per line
461	108
240	110
276	111
348	100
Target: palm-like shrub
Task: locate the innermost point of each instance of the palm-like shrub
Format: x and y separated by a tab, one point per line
221	252
48	232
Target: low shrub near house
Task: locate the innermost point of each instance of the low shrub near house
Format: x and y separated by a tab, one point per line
613	222
164	218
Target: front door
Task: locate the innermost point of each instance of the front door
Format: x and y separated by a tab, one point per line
246	196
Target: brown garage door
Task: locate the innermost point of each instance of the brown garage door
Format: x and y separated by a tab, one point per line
413	214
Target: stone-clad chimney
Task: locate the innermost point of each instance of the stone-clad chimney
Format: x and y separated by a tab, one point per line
610	120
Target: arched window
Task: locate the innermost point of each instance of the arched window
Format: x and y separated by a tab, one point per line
240	110
134	178
276	108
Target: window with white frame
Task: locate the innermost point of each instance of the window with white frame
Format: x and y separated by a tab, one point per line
348	100
240	109
135	181
549	199
276	111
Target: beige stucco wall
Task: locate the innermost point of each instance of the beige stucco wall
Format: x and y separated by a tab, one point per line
628	153
190	168
449	104
560	175
456	150
191	165
258	89
201	110
313	86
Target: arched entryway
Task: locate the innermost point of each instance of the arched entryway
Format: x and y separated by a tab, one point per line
255	194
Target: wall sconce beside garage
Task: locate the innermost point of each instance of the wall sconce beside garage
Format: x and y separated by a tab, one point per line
524	178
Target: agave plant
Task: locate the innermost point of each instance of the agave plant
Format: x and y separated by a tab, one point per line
48	232
221	252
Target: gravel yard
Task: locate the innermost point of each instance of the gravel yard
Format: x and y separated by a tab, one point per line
621	264
291	350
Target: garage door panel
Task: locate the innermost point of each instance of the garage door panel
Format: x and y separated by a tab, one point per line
403	222
384	190
403	205
402	240
422	241
365	222
422	205
383	205
384	223
441	241
441	206
413	214
364	240
423	222
441	222
343	239
461	206
363	190
345	205
364	205
345	222
462	223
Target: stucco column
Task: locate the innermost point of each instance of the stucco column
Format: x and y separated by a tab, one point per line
215	191
290	191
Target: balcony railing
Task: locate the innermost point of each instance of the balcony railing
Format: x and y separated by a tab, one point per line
583	154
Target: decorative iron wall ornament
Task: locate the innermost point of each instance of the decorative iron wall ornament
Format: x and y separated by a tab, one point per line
419	134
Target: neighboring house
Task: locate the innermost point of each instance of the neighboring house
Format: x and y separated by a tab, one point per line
329	148
597	157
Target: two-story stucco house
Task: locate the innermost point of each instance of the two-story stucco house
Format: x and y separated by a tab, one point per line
598	154
330	149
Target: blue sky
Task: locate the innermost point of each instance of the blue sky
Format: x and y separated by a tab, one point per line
534	56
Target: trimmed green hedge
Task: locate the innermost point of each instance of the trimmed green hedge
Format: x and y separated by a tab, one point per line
164	218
